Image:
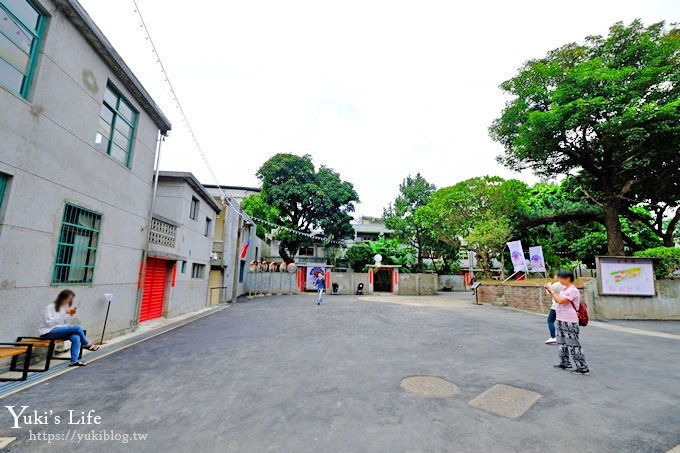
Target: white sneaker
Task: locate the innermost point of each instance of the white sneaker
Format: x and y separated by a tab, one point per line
550	341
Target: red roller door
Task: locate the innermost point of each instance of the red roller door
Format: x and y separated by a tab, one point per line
155	278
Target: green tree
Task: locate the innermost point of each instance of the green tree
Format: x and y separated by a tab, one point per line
297	197
400	217
481	210
609	110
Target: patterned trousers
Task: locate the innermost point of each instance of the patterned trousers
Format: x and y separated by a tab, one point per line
568	344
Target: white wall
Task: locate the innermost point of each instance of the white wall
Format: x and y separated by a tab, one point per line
47	146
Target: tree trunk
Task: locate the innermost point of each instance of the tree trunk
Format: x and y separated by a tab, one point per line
613	226
283	253
420	261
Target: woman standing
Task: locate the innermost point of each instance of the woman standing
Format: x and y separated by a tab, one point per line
55	325
552	315
567	330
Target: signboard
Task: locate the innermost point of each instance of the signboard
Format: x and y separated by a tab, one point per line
623	276
536	259
311	276
517	256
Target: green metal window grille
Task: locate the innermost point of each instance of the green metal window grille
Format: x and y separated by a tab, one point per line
77	247
21	29
3	184
117	121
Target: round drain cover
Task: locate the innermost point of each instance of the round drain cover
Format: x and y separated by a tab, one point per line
429	386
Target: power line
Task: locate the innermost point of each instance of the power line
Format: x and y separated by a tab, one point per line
202	154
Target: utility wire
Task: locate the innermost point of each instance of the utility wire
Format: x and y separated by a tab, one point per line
194	138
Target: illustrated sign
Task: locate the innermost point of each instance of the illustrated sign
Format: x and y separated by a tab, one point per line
517	256
537	262
626	276
311	276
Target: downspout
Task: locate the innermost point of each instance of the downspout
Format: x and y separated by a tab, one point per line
237	257
145	251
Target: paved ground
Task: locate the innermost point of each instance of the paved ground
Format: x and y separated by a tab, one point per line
281	374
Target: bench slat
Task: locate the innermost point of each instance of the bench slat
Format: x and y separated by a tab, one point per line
11	351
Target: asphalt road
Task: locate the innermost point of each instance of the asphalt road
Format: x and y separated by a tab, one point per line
283	375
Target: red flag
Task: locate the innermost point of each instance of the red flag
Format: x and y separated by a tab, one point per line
244	250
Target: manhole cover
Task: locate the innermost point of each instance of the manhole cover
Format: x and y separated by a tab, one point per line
506	401
429	386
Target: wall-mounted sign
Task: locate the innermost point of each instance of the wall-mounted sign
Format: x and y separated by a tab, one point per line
623	276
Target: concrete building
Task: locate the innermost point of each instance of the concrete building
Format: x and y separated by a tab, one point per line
368	228
180	247
233	228
235	193
78	139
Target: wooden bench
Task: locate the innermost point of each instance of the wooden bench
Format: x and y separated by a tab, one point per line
39	342
14	350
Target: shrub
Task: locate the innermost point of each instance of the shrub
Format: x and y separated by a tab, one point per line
667	260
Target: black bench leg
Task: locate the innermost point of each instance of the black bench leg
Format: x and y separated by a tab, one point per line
27	362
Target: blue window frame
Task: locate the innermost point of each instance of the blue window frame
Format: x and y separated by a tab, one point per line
77	247
117	122
21	28
3	183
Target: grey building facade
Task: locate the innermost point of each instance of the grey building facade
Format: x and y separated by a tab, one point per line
78	140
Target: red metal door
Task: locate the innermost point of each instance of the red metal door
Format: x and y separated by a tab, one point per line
155	279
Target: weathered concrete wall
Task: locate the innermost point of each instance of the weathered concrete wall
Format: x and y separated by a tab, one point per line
270	283
418	284
47	149
665	305
525	295
348	281
456	282
173	201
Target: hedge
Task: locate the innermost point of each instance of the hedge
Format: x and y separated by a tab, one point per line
667	260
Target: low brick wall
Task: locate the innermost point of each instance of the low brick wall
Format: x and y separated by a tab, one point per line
525	295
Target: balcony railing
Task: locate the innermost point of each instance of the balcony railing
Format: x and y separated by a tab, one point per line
163	233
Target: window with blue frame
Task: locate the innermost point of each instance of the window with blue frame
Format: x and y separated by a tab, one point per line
3	183
77	247
117	121
21	28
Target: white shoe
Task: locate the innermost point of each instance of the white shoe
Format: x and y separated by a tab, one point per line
550	341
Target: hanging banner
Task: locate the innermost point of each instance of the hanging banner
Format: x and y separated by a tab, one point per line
517	256
537	260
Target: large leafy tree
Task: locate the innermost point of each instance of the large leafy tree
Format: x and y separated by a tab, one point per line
414	193
607	110
484	211
301	199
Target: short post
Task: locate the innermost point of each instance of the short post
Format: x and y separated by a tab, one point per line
109	298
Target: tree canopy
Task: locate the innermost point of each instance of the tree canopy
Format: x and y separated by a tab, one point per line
400	216
606	111
298	197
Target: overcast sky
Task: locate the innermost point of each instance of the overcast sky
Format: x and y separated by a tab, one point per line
376	90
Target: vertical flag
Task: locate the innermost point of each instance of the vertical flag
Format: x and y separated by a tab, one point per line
244	250
517	256
537	260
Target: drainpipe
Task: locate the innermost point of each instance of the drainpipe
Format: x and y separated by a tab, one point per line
237	257
145	251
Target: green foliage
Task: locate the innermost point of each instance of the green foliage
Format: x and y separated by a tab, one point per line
667	260
401	217
359	256
393	253
482	210
298	197
608	109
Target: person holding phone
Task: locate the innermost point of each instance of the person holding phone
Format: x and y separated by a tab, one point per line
55	324
567	330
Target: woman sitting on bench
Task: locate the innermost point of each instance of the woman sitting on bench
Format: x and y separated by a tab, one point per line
55	325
